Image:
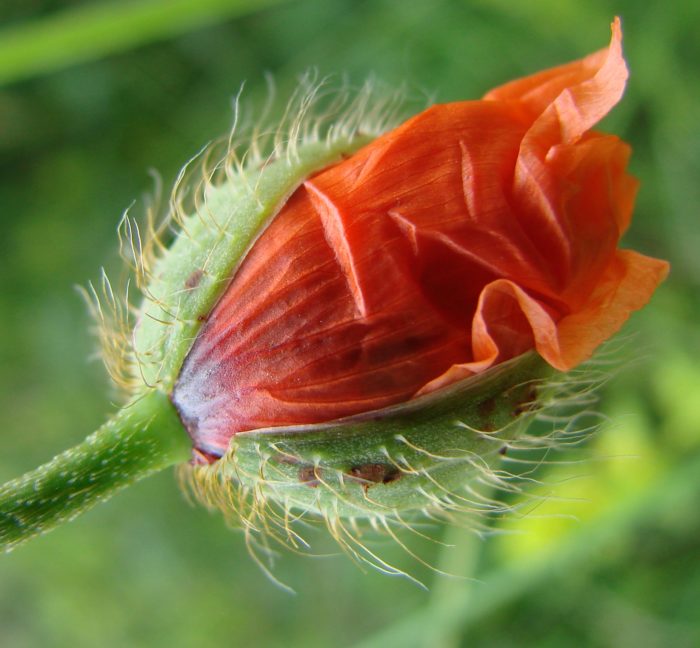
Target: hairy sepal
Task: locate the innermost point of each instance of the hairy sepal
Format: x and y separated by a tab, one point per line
412	457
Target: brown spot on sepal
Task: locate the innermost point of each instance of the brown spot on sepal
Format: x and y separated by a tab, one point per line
486	410
486	407
284	458
309	476
528	403
193	280
374	473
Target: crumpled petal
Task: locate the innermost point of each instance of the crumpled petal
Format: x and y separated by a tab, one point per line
626	285
566	101
468	235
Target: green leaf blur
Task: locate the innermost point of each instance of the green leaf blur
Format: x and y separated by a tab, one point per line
606	554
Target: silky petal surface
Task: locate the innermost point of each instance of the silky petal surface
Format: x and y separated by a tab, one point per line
470	234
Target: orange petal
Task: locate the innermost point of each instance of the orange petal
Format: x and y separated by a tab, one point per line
626	286
596	86
596	197
575	96
466	236
507	322
581	105
443	177
293	340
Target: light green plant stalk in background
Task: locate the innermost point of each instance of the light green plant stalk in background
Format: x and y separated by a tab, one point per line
91	31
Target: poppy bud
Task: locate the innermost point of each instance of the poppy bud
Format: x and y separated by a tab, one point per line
382	316
359	324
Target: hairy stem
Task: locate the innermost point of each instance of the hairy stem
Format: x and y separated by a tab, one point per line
142	438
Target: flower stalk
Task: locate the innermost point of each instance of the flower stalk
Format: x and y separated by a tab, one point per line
141	439
356	321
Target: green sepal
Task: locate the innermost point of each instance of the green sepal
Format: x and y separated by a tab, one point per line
398	459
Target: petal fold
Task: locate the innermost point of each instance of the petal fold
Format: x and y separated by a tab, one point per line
470	234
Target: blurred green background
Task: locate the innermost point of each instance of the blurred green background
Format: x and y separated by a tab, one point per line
610	553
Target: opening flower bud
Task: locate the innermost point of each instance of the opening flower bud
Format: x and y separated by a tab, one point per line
359	323
468	236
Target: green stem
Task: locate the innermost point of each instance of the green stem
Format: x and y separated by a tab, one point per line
142	438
